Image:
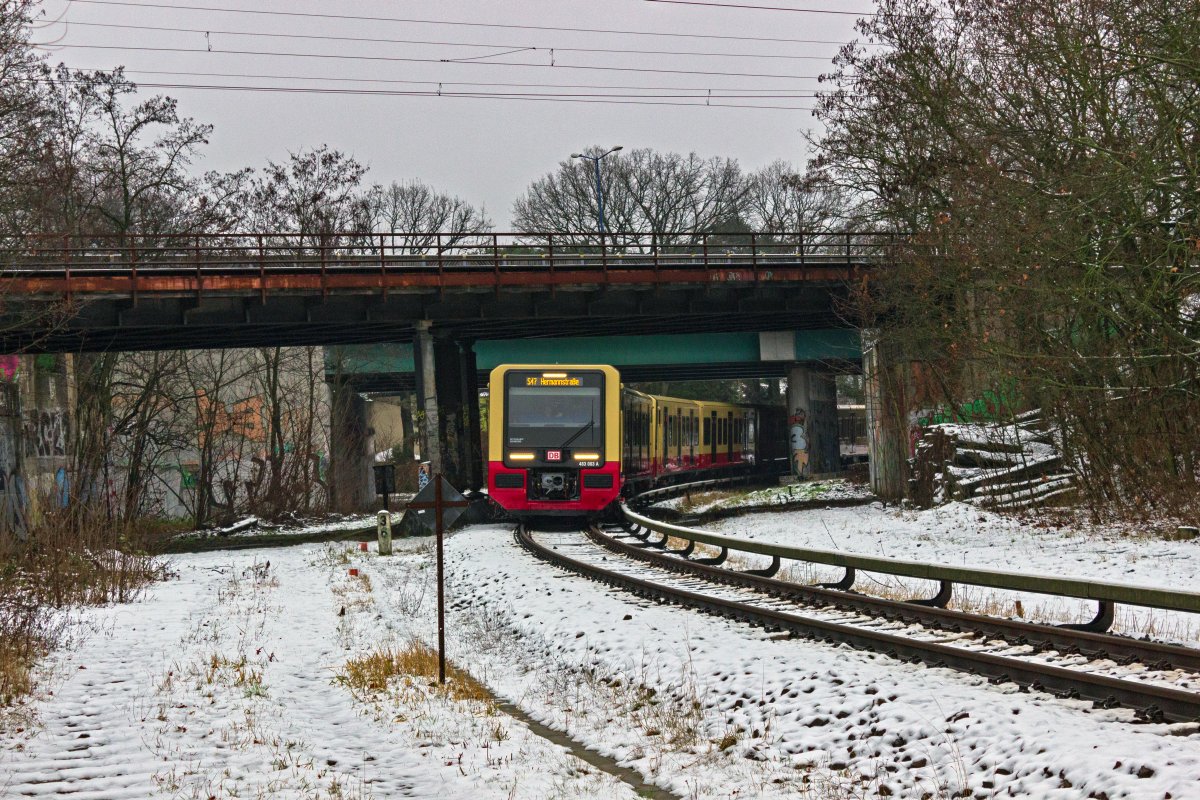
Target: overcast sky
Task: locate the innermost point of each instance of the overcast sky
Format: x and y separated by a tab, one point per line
486	150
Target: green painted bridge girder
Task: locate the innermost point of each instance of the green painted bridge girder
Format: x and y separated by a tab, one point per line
644	350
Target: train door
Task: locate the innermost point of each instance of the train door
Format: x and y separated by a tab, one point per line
678	436
660	440
710	437
750	448
736	422
647	445
729	437
691	437
668	438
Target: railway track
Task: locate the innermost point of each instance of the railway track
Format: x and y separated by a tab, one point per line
1158	681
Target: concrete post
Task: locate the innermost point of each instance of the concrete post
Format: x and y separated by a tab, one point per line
812	422
383	532
472	429
451	424
886	437
447	395
349	455
427	399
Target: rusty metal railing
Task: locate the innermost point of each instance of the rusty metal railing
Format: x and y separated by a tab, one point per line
258	262
374	251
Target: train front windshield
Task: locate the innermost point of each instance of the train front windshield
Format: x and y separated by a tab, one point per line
554	412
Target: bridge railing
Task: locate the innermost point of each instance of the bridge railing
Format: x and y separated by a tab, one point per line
387	252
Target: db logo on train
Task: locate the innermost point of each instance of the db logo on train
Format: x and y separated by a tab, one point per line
554	455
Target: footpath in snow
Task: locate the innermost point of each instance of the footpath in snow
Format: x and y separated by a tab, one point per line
223	682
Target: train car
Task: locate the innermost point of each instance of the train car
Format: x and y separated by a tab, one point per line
571	440
638	431
554	439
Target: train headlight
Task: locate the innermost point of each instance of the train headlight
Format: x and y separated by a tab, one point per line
587	456
521	456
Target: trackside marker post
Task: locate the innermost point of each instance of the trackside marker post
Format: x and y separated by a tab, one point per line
444	504
383	533
385	484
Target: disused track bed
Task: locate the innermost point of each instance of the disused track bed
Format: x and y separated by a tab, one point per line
824	614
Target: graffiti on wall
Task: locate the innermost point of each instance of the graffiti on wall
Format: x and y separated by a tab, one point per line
242	419
991	406
798	423
45	433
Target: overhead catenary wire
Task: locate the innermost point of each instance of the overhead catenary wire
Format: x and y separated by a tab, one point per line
838	12
457	23
409	59
511	96
793	9
731	90
515	48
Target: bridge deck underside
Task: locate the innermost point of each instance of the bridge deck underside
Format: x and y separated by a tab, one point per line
151	320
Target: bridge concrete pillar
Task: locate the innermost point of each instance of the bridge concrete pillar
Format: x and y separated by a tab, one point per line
427	399
350	457
812	422
887	442
472	424
450	410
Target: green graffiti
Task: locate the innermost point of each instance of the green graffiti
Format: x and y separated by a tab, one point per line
991	406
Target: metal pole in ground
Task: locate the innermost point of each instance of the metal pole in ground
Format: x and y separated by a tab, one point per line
441	578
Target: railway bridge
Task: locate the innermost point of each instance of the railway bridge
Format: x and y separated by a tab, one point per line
440	294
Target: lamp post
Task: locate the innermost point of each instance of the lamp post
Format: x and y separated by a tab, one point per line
599	191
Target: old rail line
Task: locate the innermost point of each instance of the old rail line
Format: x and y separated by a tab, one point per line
1158	681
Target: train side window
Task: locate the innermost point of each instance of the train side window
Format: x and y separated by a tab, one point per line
707	431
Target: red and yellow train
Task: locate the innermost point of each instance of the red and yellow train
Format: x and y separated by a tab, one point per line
568	440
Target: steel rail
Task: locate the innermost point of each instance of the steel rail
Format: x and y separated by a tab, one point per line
1020	632
1105	593
1150	701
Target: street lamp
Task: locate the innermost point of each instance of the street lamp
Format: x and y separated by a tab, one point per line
599	191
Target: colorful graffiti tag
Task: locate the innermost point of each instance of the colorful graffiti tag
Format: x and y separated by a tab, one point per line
45	433
991	406
798	422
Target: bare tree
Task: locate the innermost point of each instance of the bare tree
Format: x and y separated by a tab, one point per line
315	193
644	191
1044	156
413	213
779	199
223	427
25	114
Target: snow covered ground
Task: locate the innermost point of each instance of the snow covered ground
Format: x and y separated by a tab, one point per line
222	683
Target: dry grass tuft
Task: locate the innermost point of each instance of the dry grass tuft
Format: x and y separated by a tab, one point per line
63	560
374	671
694	500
